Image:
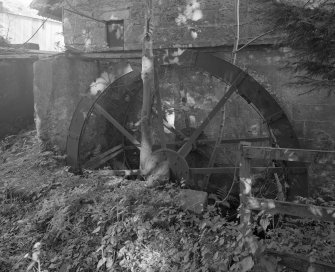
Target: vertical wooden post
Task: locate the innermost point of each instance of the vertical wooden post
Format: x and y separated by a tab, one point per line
245	187
148	87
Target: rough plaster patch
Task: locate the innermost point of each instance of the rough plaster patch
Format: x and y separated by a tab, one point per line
107	77
37	120
194	34
146	64
191	12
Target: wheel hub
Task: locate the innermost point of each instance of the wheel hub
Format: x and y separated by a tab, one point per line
178	165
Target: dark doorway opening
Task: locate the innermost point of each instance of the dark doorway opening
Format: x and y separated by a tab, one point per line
115	34
16	96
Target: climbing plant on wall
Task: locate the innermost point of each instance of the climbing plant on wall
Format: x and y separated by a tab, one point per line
310	31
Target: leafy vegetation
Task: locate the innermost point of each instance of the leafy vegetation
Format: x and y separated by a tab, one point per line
98	223
310	31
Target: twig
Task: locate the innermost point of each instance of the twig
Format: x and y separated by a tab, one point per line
306	3
237	34
44	21
75	11
254	39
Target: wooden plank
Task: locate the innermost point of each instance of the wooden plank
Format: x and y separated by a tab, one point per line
294	209
102	158
249	140
301	262
212	170
288	154
112	55
218	170
18	56
134	172
19	50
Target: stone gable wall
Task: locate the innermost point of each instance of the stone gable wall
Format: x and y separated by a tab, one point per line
178	23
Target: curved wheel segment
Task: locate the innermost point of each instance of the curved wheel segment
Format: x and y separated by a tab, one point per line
249	89
89	144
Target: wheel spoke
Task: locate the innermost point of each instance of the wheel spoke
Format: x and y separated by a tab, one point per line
187	147
117	125
103	157
232	140
170	127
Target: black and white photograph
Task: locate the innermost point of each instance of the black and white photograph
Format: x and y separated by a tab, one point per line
167	135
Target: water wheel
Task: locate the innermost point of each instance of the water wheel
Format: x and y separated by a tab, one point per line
105	129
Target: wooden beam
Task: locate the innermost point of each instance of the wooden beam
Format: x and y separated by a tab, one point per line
102	158
109	173
250	140
288	154
116	124
112	55
18	50
135	54
218	170
18	56
213	170
300	262
293	209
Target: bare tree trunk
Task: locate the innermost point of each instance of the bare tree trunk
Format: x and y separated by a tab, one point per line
148	90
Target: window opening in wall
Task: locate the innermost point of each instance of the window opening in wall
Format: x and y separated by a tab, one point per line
115	34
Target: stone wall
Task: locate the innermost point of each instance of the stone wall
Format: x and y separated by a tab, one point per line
60	83
311	113
58	86
178	23
16	96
